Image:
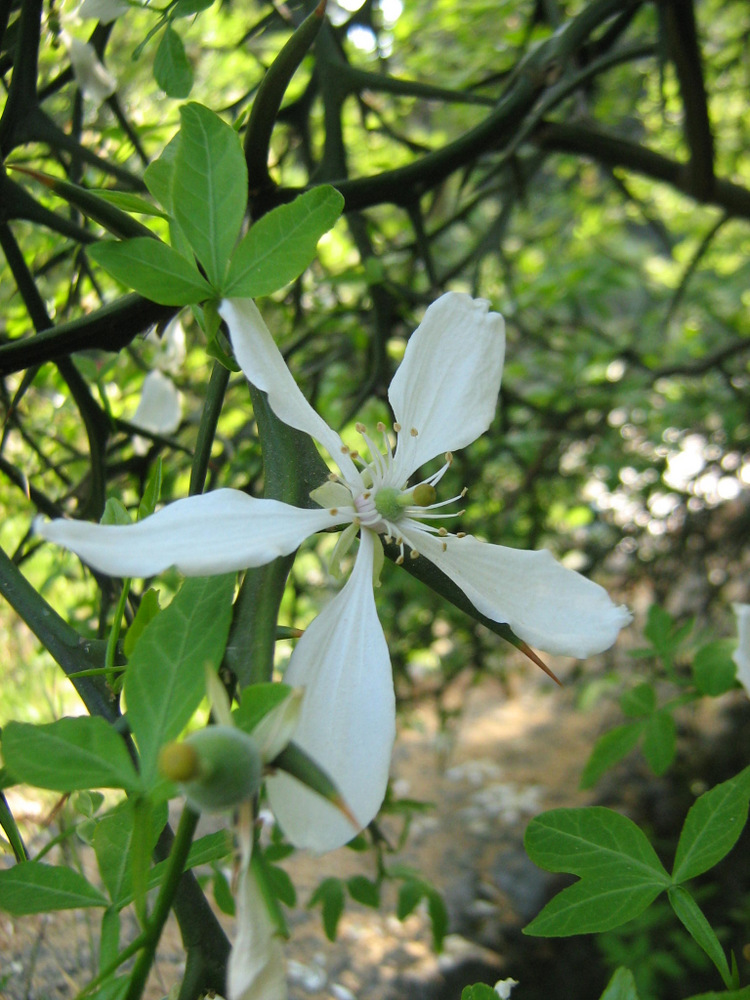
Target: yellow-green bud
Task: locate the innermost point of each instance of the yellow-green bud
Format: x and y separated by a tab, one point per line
229	768
424	495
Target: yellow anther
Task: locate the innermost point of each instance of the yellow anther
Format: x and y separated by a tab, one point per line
424	495
414	432
460	534
344	449
449	457
445	546
413	554
442	532
464	491
333	511
366	496
381	427
360	428
400	560
396	426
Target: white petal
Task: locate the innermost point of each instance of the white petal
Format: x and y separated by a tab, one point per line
102	10
261	361
91	75
741	655
447	385
504	987
256	963
214	533
348	721
170	348
548	606
160	406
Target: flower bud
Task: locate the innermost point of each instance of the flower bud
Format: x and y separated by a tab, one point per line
217	767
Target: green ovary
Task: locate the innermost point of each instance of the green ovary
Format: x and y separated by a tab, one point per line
387	503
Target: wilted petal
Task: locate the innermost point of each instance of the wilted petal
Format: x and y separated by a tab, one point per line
447	385
548	606
741	655
348	721
263	365
214	533
91	75
160	406
256	963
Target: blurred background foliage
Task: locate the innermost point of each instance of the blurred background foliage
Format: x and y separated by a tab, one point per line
582	165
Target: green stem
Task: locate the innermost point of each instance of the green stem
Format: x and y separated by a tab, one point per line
114	635
175	865
217	386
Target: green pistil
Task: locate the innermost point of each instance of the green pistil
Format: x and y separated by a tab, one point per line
387	503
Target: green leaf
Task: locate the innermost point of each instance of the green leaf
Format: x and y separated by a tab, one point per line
640	700
712	827
660	741
115	512
330	894
109	937
621	986
209	188
148	609
172	71
165	680
714	670
257	701
68	754
151	491
113	846
478	992
620	872
32	887
438	917
593	905
116	989
281	244
186	8
364	891
159	174
130	202
409	895
608	749
282	885
223	893
154	270
700	930
743	994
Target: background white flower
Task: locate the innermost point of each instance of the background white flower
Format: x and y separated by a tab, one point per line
741	655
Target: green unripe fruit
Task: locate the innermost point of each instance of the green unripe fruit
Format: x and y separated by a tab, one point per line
229	768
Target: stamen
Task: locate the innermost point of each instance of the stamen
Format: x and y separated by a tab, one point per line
445	546
413	554
449	457
400	560
396	426
381	427
460	534
333	511
414	432
360	428
345	449
442	532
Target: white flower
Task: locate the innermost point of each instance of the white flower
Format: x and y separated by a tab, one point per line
170	348
443	397
256	964
503	987
741	655
159	409
96	82
102	10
